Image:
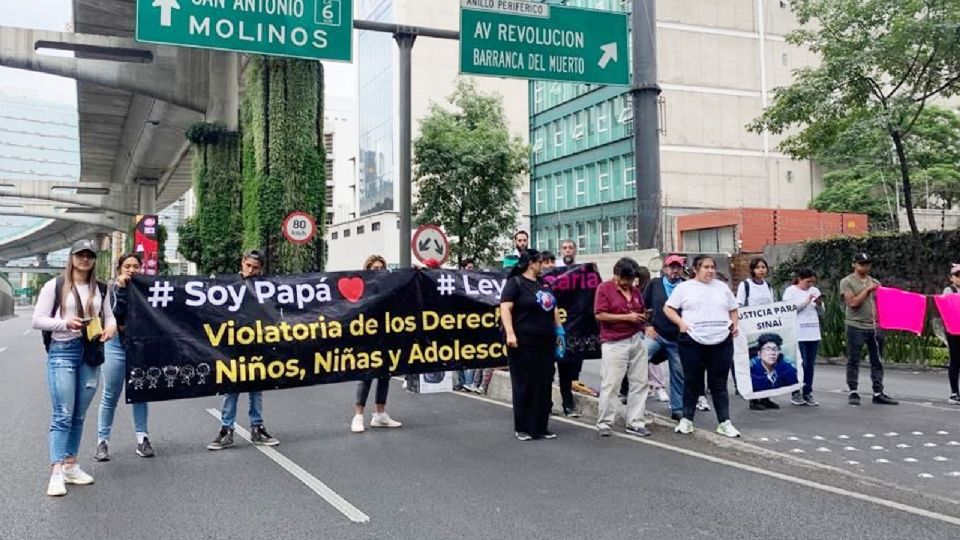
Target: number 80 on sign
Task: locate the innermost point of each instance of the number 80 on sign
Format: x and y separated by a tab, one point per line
299	228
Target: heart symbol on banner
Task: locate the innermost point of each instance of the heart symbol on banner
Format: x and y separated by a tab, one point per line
350	288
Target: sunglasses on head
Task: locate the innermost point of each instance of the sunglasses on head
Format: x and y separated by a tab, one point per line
955	274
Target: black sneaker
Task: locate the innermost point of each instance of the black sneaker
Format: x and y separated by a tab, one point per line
623	399
810	401
571	412
797	399
144	449
224	440
521	436
103	454
854	399
260	437
954	399
883	399
757	405
549	435
769	403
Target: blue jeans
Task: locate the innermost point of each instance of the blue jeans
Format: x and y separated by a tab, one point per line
808	350
467	377
229	414
114	371
676	369
72	387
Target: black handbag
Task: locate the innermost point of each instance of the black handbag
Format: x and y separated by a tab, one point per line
93	355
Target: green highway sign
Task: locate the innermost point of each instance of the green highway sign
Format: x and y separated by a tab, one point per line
312	29
532	40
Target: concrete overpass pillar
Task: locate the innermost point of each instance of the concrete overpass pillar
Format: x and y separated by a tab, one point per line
223	105
147	195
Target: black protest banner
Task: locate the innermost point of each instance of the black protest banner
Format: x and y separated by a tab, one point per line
190	336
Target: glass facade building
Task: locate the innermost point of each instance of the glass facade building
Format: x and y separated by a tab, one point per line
375	114
38	141
582	184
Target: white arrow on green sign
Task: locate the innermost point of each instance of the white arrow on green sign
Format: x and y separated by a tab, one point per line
532	40
313	29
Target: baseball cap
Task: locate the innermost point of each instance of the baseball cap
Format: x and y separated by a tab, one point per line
83	245
674	259
861	258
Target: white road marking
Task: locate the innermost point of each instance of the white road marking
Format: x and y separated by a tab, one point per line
917	433
851	462
793	438
843	436
941	458
942	432
903	445
2	349
817	437
850	449
757	470
925	475
27	331
798	451
350	511
891	434
930	444
876	447
824	449
868	435
881	460
909	460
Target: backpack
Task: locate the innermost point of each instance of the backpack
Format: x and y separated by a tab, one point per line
47	335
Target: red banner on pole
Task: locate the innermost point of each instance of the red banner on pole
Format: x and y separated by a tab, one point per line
146	242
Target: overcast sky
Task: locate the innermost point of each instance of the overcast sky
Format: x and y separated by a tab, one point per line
57	14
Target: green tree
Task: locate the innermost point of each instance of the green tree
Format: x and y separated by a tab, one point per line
881	62
467	170
862	169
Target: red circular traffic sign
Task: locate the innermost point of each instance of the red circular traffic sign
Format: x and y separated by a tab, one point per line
429	242
299	228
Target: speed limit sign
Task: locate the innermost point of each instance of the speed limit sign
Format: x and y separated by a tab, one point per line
299	228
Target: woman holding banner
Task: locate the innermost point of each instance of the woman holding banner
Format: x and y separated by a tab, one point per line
535	336
708	324
74	313
115	368
953	341
754	292
380	418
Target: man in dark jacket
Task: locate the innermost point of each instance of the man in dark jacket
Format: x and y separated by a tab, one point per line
662	334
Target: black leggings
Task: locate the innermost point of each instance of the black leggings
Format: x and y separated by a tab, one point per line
715	360
363	391
531	378
953	372
568	371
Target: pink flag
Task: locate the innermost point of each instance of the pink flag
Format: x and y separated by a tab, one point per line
901	310
949	306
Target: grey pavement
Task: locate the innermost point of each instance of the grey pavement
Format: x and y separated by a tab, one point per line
453	470
915	445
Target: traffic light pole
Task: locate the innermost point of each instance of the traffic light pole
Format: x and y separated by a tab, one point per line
405	36
646	132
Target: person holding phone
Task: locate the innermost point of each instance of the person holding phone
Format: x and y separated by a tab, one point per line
115	368
809	304
67	307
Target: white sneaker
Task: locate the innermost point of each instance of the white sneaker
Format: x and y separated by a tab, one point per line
684	426
56	487
75	475
383	420
662	395
356	425
702	404
728	430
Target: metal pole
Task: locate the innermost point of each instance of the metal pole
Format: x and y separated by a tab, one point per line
646	142
405	42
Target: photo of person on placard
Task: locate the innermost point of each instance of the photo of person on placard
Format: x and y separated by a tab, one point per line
769	367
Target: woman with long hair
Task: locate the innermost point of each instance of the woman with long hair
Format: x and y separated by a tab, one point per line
953	341
754	292
531	324
380	417
705	311
115	368
73	310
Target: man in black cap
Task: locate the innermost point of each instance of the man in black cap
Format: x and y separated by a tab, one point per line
860	316
251	266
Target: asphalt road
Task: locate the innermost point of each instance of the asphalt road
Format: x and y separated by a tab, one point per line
453	470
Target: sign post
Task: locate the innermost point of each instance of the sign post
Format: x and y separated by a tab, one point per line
532	40
299	228
311	29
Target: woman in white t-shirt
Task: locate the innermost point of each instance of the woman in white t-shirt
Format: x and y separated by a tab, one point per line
809	305
705	311
70	305
756	292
